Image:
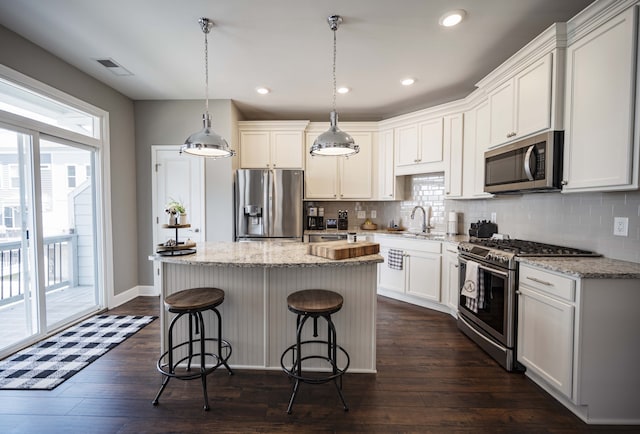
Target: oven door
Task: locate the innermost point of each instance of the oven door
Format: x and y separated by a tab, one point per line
495	315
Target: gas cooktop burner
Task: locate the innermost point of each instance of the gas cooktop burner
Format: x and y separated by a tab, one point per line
529	248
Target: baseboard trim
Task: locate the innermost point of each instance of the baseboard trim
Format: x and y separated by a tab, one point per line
130	294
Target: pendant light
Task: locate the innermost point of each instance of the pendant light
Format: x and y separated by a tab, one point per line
334	141
206	142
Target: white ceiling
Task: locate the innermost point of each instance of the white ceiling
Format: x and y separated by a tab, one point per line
286	45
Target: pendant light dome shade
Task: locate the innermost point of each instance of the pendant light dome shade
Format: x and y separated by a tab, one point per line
334	141
206	142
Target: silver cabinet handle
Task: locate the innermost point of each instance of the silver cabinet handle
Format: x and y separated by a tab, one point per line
456	265
542	282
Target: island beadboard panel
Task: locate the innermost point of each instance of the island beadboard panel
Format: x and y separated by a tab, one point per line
255	317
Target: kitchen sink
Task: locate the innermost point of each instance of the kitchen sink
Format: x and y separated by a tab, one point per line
424	236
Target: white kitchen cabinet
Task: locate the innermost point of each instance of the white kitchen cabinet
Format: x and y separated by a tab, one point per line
601	150
522	105
419	280
340	178
419	147
271	144
545	327
423	274
578	339
387	185
476	142
450	277
453	143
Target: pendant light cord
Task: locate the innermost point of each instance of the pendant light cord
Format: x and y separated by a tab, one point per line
206	72
334	69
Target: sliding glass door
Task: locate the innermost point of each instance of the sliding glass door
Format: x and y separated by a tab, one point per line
18	284
67	194
48	266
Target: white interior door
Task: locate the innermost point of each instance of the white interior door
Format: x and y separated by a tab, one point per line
177	177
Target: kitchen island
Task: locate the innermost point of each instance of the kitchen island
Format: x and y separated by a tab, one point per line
257	277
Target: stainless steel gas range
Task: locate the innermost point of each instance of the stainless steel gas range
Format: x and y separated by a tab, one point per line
487	310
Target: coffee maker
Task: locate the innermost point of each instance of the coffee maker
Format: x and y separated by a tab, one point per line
315	218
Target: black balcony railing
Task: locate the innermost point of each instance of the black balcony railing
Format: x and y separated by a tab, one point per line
60	261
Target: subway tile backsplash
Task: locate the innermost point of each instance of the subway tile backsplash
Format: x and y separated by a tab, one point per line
582	220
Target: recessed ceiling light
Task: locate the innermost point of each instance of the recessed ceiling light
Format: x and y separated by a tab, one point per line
408	81
343	90
452	18
262	90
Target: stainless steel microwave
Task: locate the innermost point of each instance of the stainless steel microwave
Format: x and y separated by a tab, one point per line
531	164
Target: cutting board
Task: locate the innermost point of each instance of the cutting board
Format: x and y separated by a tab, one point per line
342	249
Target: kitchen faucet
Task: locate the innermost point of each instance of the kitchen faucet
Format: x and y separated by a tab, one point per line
425	228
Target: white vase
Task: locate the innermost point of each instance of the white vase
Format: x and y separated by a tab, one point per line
173	219
183	219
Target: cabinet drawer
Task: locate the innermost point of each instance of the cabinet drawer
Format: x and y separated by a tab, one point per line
549	283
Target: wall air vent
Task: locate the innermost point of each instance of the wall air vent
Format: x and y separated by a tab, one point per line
113	67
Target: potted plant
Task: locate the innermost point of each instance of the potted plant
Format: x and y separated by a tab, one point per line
177	213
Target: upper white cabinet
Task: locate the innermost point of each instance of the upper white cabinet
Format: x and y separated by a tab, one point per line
419	147
271	144
453	143
601	149
476	142
522	105
340	178
386	185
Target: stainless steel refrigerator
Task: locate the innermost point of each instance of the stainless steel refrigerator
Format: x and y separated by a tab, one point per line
268	204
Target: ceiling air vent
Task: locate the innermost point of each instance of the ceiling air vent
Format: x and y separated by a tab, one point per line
113	67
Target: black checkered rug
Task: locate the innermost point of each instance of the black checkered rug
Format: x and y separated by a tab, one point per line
48	363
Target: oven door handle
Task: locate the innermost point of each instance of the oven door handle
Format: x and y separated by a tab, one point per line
492	270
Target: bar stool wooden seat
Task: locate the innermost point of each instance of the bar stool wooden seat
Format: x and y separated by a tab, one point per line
193	302
315	303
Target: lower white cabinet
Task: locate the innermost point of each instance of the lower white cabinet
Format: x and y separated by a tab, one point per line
450	277
578	339
545	329
418	281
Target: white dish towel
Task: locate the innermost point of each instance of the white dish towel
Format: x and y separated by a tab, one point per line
470	286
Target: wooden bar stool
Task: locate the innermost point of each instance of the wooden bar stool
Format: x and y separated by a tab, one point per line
193	302
315	303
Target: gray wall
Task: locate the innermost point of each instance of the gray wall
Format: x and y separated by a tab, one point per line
170	123
29	59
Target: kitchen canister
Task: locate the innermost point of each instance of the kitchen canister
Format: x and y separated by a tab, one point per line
452	223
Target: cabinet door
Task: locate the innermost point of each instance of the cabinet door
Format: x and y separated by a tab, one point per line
388	278
431	149
600	104
453	151
424	275
286	149
321	174
254	149
386	174
533	98
356	171
451	279
482	143
501	114
545	338
406	145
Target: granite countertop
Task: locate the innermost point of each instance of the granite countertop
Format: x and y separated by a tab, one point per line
261	254
587	268
434	236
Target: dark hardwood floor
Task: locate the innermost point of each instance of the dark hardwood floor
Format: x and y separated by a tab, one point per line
430	378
